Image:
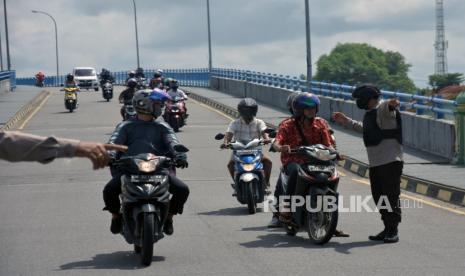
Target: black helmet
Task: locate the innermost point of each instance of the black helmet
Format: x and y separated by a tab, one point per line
156	75
247	108
173	84
69	77
363	94
132	74
132	83
290	100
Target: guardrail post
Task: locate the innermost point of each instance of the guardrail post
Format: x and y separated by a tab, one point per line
460	130
439	115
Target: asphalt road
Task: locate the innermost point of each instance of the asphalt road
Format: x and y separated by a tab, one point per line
51	221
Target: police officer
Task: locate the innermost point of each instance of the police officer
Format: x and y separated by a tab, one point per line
382	136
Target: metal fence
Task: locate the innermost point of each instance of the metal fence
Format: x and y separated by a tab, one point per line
200	77
11	75
434	105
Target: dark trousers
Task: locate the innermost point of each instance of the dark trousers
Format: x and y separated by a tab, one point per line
385	181
291	171
177	188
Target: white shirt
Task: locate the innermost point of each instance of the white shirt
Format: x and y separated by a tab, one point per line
246	132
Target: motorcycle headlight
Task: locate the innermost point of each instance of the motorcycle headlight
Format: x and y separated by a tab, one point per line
248	167
147	166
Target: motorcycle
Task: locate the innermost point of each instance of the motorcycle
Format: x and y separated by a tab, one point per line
128	111
71	98
249	179
175	113
40	81
317	182
107	90
145	199
141	83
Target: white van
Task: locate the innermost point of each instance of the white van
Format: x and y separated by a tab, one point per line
86	78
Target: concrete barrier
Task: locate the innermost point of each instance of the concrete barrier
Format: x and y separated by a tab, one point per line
5	86
420	132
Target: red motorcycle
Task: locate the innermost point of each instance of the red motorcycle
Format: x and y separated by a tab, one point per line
175	113
40	78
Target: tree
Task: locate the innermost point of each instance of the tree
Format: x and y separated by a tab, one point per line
440	81
355	63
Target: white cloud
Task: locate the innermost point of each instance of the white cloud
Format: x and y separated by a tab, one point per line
261	35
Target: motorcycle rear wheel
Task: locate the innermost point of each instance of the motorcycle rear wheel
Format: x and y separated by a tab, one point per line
147	239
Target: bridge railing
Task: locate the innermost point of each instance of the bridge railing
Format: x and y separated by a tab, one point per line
8	76
434	105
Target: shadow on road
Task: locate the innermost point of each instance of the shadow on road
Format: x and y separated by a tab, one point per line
284	241
125	260
235	211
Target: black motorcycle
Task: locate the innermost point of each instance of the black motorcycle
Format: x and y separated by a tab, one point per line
145	199
317	182
107	90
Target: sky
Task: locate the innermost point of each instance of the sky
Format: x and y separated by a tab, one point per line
260	35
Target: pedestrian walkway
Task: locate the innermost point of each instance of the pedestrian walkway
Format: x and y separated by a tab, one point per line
12	102
350	144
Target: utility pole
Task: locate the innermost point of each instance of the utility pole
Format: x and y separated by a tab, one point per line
309	50
209	39
6	37
441	43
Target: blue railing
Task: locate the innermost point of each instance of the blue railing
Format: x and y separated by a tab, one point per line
421	104
200	77
187	77
11	75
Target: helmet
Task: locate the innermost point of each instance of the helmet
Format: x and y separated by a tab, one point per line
247	108
132	83
304	100
166	82
173	84
132	74
69	77
363	94
290	99
156	75
160	71
143	101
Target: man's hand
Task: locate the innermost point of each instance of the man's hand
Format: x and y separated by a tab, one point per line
285	149
267	141
393	103
225	145
340	118
97	152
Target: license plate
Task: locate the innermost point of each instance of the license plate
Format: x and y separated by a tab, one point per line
143	178
319	168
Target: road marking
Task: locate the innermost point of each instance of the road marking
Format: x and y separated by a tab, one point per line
212	109
427	202
35	111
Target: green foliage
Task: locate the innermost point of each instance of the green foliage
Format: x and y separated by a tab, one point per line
355	63
440	81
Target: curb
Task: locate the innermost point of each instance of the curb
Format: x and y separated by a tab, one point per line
25	111
413	184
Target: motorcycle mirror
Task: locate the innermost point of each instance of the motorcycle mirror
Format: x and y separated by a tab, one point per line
61	84
187	93
219	136
180	148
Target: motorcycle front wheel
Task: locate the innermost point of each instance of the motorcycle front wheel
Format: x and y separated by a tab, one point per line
147	239
251	204
321	225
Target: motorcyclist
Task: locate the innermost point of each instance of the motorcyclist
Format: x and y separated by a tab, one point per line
303	128
145	135
131	75
140	73
105	76
156	81
245	129
40	77
126	95
174	91
70	82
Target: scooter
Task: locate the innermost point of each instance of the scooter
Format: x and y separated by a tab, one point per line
107	90
145	199
71	98
317	182
175	113
249	178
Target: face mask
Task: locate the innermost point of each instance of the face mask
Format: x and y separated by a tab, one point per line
247	119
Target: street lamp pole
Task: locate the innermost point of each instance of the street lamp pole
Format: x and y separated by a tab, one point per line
137	37
209	39
56	41
6	37
309	51
1	53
